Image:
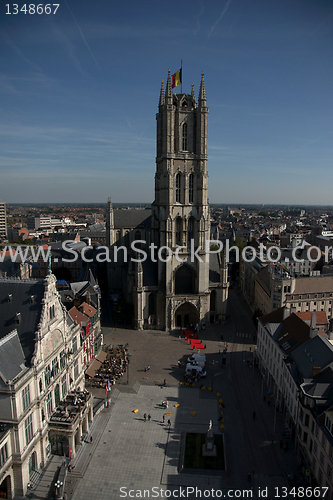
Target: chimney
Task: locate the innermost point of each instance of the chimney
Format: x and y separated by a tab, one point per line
315	371
313	320
313	325
286	312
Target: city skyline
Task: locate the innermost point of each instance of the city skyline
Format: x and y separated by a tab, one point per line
80	92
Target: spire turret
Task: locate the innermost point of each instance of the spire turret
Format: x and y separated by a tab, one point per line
168	92
193	95
162	95
202	91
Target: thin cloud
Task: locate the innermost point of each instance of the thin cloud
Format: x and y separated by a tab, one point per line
219	19
83	38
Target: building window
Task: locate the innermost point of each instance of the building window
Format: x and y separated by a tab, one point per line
49	404
26	397
307	419
52	313
47	376
190	188
184	136
179	231
55	367
3	455
64	387
74	345
321	460
178	182
62	360
28	429
190	230
76	370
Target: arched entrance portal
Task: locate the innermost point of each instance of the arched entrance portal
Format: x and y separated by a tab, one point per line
186	315
59	444
5	488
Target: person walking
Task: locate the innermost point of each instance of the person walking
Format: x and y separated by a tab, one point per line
91	439
169	422
145	416
163	418
149	417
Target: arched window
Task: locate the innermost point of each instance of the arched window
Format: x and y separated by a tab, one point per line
184	136
190	188
213	300
178	181
179	231
151	305
184	280
190	230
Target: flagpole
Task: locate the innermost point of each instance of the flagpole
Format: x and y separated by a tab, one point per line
181	83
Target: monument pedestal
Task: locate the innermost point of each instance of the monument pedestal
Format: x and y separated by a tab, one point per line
209	448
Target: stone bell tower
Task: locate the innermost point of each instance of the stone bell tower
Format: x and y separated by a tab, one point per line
180	212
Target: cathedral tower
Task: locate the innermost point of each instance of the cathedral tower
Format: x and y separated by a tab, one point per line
180	212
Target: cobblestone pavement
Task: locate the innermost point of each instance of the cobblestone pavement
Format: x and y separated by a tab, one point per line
129	453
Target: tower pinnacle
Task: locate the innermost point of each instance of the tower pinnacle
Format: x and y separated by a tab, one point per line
168	91
202	91
162	95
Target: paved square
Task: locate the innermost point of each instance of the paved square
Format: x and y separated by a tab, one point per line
139	455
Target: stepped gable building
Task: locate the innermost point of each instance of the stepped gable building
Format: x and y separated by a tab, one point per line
170	292
44	408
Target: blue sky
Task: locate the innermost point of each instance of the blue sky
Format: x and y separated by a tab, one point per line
79	94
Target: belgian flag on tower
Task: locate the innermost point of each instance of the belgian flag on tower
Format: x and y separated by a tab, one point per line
176	78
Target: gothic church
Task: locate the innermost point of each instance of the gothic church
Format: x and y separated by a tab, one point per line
186	285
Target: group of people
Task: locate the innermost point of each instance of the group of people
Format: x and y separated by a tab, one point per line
113	367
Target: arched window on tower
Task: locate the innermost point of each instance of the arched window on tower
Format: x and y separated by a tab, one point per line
178	182
190	230
191	188
184	280
151	304
179	231
185	136
213	300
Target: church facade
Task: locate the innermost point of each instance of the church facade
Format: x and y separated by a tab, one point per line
181	282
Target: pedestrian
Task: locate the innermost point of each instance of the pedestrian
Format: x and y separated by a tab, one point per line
69	468
145	417
164	383
148	368
169	422
91	439
149	417
179	363
254	415
163	418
